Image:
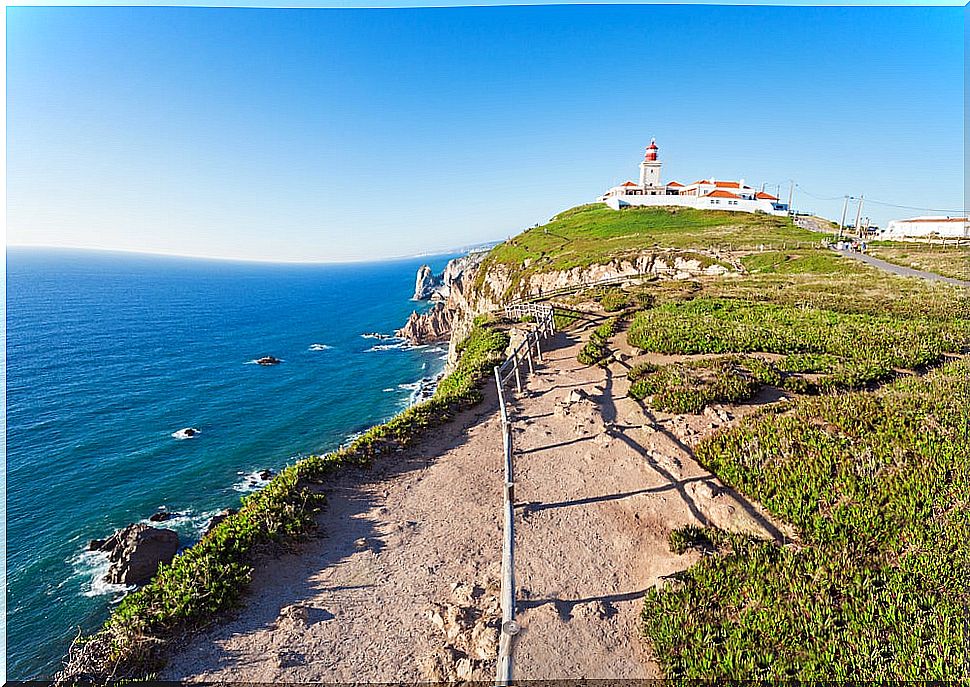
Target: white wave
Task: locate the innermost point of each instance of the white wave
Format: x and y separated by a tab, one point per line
378	335
250	482
386	390
186	433
92	566
319	347
388	347
189	525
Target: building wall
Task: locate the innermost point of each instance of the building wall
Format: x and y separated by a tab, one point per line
902	229
740	205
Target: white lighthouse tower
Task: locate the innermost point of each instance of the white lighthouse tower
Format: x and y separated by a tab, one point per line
650	171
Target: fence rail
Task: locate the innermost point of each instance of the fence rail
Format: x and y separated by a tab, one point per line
526	353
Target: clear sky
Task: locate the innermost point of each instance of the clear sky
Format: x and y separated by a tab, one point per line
336	134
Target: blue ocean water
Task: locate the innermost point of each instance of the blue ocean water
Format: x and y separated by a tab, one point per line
109	354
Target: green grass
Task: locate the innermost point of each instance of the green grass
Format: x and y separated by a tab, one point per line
877	484
212	576
595	234
794	262
868	347
949	261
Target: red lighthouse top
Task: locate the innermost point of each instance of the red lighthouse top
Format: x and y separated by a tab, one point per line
651	151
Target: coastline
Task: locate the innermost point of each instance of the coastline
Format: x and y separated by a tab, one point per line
123	465
213	575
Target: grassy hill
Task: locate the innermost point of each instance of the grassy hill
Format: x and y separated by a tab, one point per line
589	234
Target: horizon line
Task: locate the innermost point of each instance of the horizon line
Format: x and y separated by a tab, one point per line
262	261
452	4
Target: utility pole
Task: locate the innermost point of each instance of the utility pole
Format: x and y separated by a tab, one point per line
791	196
858	216
845	206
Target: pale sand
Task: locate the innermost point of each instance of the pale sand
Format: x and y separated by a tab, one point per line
599	486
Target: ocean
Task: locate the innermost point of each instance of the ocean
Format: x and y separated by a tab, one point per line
110	354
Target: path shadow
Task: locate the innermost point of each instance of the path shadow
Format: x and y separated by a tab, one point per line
530	507
565	607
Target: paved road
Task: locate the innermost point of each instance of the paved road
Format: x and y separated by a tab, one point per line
900	270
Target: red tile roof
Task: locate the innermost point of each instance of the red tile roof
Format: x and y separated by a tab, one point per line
765	196
727	184
674	183
628	183
721	194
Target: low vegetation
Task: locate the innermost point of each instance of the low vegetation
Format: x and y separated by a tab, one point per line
597	349
595	234
858	349
948	260
877	484
212	576
689	387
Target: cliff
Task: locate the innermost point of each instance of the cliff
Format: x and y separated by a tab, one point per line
590	244
428	327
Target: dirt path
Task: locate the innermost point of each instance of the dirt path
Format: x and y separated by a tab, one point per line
394	541
600	484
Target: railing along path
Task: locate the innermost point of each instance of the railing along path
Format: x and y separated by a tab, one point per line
525	354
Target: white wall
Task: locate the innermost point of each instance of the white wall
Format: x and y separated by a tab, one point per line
901	228
616	202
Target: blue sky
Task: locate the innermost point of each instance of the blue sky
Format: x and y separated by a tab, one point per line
337	134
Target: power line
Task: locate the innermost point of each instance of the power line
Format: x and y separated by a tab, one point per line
879	202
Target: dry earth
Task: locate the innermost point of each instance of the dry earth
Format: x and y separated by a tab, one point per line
409	554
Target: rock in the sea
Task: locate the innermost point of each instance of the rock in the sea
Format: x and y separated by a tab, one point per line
136	552
161	516
265	475
268	360
426	284
96	544
428	327
217	518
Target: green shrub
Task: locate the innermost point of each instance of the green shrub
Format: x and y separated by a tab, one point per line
597	349
615	299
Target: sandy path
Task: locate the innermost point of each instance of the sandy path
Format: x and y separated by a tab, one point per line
429	518
600	483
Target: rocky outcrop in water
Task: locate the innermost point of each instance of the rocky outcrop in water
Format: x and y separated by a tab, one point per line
136	551
427	285
428	327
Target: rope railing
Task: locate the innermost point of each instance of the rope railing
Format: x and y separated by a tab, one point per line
514	367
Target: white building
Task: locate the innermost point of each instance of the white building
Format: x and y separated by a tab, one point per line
927	227
705	194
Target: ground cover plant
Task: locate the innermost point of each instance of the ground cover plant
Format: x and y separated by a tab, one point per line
878	486
869	348
948	260
688	387
597	348
212	576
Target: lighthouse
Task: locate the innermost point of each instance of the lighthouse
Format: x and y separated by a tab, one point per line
650	167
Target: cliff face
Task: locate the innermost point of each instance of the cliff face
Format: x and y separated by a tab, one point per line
470	295
426	284
428	327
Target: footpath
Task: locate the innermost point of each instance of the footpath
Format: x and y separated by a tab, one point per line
402	584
